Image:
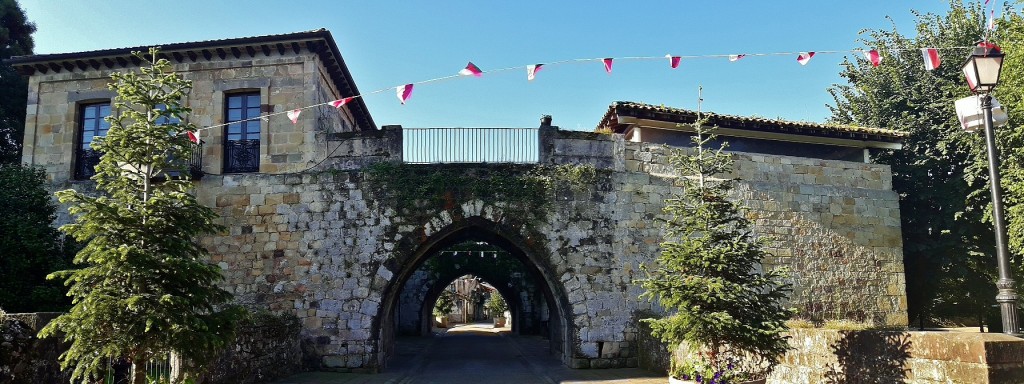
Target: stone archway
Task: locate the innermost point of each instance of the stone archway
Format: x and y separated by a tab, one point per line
477	228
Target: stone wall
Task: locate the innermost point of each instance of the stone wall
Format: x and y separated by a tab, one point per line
912	357
834	356
265	348
325	248
25	359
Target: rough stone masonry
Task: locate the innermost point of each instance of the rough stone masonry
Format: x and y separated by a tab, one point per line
319	244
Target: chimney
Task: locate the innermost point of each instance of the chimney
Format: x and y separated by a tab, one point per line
545	121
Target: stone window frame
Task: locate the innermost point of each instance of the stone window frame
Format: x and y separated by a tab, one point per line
223	88
79	100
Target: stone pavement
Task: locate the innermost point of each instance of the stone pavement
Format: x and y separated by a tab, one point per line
477	353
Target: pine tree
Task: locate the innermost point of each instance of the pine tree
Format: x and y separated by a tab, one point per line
708	271
143	289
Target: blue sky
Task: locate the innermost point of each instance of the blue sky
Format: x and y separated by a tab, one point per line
389	43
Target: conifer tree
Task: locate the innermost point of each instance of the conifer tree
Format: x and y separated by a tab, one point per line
708	273
143	288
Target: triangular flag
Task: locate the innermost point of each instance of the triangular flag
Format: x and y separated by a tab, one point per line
403	92
338	103
673	60
293	115
873	57
471	70
192	137
736	57
931	58
531	70
607	64
804	57
992	20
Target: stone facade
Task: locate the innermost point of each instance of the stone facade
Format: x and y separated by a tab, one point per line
284	80
324	245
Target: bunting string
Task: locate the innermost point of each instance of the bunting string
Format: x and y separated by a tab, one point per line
404	92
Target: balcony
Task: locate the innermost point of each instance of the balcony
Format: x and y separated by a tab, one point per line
241	156
87	159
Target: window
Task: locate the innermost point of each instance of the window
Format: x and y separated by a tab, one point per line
242	133
91	124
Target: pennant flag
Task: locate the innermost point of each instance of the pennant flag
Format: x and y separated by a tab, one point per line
804	57
736	57
471	70
293	115
673	60
931	58
338	103
531	71
192	137
607	64
404	92
873	57
992	20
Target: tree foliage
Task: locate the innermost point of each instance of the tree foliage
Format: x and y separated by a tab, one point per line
30	248
709	270
15	40
445	304
940	174
143	288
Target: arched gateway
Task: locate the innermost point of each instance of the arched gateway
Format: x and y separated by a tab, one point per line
478	229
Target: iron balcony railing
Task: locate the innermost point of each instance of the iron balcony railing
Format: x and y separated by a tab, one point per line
241	156
86	160
470	145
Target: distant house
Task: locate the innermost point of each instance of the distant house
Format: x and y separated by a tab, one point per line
648	123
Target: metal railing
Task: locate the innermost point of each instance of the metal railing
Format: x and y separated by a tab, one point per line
470	145
85	163
87	159
241	156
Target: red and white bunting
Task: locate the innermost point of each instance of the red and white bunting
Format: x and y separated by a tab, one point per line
403	92
531	71
338	103
873	57
193	136
293	115
931	58
736	57
804	57
471	70
673	60
607	64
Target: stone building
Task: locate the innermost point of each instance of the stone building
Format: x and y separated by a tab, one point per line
317	227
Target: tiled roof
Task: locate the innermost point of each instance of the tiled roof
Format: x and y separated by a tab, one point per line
684	116
318	41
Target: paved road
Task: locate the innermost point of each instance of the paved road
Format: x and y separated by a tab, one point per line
475	353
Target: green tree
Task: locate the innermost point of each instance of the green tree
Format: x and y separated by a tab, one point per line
940	172
15	40
444	304
30	248
144	288
708	271
496	304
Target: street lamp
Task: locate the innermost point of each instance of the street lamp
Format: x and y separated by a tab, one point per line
982	72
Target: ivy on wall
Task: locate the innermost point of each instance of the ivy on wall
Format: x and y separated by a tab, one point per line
521	191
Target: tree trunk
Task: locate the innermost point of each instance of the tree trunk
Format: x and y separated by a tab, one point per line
139	371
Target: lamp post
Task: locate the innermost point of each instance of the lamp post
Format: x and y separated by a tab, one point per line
982	72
